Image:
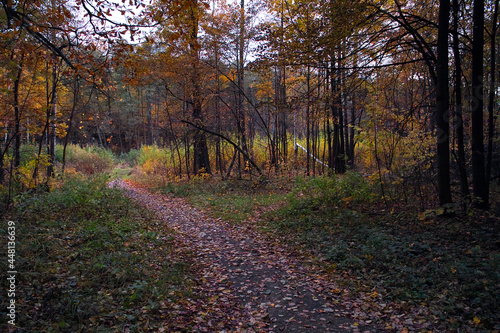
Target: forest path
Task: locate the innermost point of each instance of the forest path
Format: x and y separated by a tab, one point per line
259	284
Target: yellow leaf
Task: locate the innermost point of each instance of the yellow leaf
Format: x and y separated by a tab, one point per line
476	320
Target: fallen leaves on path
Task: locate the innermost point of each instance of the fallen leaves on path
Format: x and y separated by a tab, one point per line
252	283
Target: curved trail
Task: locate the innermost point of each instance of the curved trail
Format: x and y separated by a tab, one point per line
251	283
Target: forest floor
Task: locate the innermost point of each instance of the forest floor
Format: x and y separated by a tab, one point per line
207	255
251	282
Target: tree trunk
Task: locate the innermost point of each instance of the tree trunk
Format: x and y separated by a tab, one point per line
241	121
52	126
338	162
17	115
308	120
491	97
218	151
479	181
53	111
459	122
76	93
352	142
442	106
201	159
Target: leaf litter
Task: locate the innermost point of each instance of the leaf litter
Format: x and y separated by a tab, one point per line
249	282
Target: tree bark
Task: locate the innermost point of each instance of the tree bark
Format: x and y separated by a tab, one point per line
241	121
17	115
338	147
492	94
459	122
479	181
442	106
201	159
52	114
308	120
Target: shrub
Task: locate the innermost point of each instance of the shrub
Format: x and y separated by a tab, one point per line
327	192
27	152
89	160
132	157
153	165
152	158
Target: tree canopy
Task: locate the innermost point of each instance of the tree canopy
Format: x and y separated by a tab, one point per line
404	91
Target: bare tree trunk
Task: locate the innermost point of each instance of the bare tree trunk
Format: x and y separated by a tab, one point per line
53	113
459	122
201	159
241	121
338	162
76	93
479	181
352	142
308	120
442	106
218	153
491	97
52	122
17	115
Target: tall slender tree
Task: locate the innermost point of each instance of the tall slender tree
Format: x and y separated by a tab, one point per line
201	159
459	121
442	106
492	93
479	181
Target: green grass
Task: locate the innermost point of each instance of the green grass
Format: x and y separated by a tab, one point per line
122	172
232	207
233	201
91	259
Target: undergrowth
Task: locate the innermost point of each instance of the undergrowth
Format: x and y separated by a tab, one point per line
233	201
90	259
88	160
451	265
31	175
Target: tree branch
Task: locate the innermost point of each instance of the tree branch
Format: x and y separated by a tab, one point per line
228	140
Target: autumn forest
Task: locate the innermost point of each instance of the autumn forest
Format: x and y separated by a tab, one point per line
363	132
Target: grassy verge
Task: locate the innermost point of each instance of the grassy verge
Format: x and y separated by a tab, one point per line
91	259
233	200
122	172
451	265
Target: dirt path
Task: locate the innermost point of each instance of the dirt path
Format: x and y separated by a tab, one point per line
251	283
